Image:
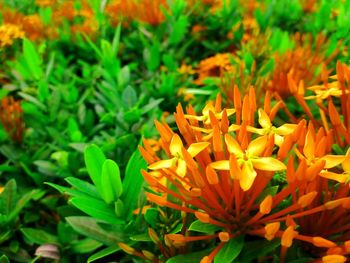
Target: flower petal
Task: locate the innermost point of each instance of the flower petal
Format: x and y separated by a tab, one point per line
196	148
232	145
309	147
332	160
341	178
257	146
268	164
248	176
264	119
221	165
256	130
162	164
286	129
175	145
181	168
346	162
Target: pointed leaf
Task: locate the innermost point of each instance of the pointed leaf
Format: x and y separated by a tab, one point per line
111	184
230	250
199	226
88	226
103	253
94	159
97	209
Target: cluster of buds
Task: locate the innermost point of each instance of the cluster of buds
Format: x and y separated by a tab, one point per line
11	117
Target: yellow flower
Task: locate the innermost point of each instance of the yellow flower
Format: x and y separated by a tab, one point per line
9	32
206	114
343	177
268	128
248	160
313	151
176	149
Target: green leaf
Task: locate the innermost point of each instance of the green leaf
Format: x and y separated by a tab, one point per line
33	100
255	249
230	250
199	226
83	186
103	253
43	90
22	202
4	259
179	29
5	236
152	216
88	226
119	208
248	61
152	56
267	68
111	183
133	181
85	246
94	159
32	59
129	96
141	238
39	236
96	209
151	105
8	197
189	258
267	191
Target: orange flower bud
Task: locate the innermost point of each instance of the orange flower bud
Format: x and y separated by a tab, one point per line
203	217
322	242
266	205
224	236
126	248
307	199
333	259
271	230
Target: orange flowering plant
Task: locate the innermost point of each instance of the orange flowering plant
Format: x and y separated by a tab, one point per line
220	170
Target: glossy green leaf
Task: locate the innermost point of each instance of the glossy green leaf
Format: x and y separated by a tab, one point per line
199	226
255	249
94	159
190	257
179	29
96	208
4	259
111	184
32	59
133	181
85	246
39	236
103	253
8	197
119	208
89	227
230	250
83	186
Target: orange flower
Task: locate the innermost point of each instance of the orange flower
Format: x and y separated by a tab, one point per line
176	149
221	181
248	160
268	128
11	116
341	178
8	33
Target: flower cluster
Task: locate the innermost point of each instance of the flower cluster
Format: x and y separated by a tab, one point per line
221	167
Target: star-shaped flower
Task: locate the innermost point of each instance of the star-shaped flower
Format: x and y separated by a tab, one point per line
176	147
268	128
243	163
